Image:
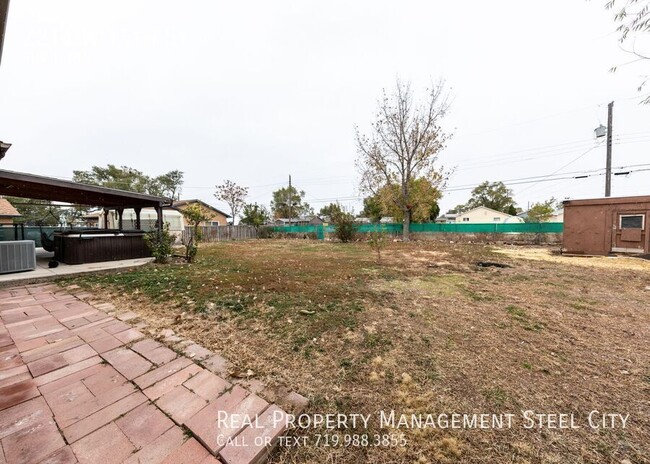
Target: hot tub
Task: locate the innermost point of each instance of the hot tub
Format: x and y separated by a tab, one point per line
97	245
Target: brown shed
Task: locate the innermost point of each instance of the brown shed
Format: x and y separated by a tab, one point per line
602	226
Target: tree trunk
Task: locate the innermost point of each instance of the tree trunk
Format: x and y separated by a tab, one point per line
406	226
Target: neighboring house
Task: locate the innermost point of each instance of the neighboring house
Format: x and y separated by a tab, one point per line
148	217
362	220
387	220
448	218
299	221
483	215
556	216
7	212
287	221
91	219
172	216
217	217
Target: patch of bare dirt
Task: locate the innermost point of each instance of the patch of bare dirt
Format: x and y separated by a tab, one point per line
605	262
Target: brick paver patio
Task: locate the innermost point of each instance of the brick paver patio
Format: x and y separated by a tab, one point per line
78	385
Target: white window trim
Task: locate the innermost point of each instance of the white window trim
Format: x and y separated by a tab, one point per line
621	216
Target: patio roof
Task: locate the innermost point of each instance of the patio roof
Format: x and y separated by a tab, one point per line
18	184
4	9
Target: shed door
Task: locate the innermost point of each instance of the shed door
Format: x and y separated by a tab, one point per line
631	231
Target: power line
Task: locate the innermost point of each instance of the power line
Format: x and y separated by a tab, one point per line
567	164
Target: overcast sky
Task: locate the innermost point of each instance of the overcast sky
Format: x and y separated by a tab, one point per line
255	91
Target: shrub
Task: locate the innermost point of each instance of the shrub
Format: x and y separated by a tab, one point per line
160	243
265	232
345	229
377	240
194	215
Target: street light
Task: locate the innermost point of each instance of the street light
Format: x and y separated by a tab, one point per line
3	149
600	131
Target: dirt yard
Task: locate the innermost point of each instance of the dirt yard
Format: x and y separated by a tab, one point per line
427	331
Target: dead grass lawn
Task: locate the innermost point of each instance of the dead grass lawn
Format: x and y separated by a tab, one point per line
425	332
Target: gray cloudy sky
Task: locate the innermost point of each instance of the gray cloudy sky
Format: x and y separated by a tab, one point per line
255	91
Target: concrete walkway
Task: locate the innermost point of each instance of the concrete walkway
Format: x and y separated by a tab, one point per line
78	385
43	271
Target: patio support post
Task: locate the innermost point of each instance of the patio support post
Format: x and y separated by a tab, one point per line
105	218
159	221
120	212
137	218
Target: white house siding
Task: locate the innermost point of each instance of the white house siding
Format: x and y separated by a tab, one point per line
148	219
483	215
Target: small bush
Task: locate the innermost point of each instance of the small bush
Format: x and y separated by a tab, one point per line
377	240
345	229
194	215
265	232
160	243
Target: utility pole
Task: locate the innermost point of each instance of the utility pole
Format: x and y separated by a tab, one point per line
608	171
291	201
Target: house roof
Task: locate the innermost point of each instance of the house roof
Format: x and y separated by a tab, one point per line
299	218
485	207
608	201
20	184
7	209
180	203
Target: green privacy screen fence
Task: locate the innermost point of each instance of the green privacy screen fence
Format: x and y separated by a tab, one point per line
488	228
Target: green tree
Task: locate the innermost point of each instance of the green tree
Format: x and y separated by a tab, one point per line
126	178
289	203
434	212
123	178
255	215
493	195
424	198
404	144
168	185
37	212
372	208
233	195
542	211
331	210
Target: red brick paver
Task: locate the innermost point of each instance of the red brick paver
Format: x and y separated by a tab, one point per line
77	385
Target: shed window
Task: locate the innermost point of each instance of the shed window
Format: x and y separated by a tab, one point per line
632	221
465	219
496	219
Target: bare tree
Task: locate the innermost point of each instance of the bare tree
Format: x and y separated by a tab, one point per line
233	195
404	145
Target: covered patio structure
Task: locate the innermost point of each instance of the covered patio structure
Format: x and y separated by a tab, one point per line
74	247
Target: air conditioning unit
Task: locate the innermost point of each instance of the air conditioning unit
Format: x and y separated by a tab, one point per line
17	256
